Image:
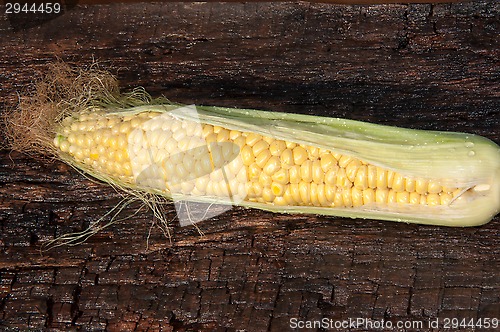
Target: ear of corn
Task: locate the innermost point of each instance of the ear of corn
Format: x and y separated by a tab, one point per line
289	162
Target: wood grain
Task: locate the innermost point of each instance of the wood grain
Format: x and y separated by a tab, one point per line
427	66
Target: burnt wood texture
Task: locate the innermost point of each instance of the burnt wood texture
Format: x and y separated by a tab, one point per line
426	66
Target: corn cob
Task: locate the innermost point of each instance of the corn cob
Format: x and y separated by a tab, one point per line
272	161
288	162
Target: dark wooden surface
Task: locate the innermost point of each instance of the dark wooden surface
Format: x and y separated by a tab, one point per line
420	66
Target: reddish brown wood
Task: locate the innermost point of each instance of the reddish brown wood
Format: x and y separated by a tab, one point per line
420	66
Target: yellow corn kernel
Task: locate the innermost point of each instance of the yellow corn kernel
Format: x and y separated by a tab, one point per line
207	130
391	197
361	178
381	178
314	194
398	183
368	196
306	171
433	199
403	197
299	155
262	158
372	176
338	199
331	176
327	161
281	176
421	186
344	161
258	189
286	158
240	141
342	180
253	138
259	146
294	173
313	152
280	201
295	192
434	188
347	197
445	198
277	189
409	185
381	195
288	196
414	198
330	193
254	171
321	194
247	155
390	178
272	166
267	195
305	192
265	179
357	197
352	169
268	139
277	147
